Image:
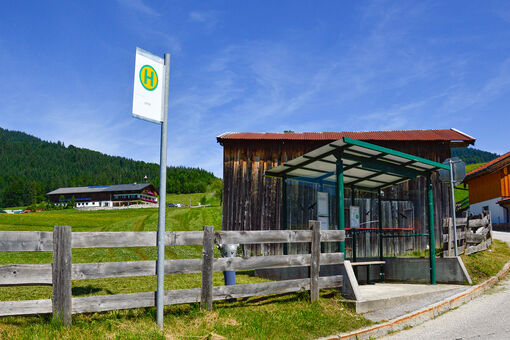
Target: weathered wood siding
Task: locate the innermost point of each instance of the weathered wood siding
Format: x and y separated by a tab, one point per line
254	202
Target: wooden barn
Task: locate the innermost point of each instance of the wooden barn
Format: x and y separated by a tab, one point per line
253	201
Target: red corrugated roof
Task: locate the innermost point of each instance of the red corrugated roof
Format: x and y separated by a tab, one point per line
491	166
403	135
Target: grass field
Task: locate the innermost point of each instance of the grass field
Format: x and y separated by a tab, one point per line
484	264
289	316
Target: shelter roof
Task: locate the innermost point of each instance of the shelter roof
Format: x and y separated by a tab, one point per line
445	135
365	166
100	188
489	167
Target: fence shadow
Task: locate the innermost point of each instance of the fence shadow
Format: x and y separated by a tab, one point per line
86	290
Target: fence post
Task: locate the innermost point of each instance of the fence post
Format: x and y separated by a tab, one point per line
61	274
315	226
207	268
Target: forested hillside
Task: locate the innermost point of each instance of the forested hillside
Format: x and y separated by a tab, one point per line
31	167
474	156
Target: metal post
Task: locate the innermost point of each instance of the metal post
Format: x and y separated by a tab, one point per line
452	184
432	241
284	214
354	240
340	214
160	269
379	204
354	245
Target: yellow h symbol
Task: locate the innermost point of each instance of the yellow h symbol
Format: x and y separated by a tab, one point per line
148	77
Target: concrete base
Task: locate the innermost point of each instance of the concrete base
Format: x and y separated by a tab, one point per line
388	295
417	270
397	269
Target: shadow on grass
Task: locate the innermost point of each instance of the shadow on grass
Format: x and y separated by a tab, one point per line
87	290
265	300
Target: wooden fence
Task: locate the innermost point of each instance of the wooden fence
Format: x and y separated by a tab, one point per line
61	273
474	234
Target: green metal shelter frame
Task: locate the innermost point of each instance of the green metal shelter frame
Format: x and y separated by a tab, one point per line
362	166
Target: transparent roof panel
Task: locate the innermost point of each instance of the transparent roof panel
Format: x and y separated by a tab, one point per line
366	165
396	158
386	178
364	150
358	172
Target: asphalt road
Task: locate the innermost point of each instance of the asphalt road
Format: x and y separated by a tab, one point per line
486	317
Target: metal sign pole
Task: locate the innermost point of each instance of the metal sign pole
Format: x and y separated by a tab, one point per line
160	294
452	186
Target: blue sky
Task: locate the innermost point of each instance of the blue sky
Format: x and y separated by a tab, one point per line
262	66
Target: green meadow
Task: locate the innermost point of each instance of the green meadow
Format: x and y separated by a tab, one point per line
289	316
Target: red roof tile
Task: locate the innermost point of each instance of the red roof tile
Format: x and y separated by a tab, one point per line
489	167
403	135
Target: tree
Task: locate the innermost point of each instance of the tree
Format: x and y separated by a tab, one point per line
72	202
30	167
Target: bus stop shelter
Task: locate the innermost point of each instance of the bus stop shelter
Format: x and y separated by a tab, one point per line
361	166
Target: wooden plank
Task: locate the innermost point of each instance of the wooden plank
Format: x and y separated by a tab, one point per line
315	259
26	241
82	271
461	249
102	303
43	241
477	248
474	238
25	274
134	239
207	268
484	231
479	222
172	297
260	262
177	238
25	307
275	287
276	236
61	274
114	239
461	221
40	274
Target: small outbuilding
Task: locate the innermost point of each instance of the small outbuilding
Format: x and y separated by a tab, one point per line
253	201
489	189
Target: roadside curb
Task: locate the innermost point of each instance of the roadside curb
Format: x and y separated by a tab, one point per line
421	315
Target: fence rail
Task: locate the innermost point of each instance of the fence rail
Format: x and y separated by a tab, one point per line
61	273
43	241
474	234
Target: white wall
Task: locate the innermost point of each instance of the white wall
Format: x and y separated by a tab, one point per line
498	214
93	204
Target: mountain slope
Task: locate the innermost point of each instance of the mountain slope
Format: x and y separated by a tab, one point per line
474	156
30	167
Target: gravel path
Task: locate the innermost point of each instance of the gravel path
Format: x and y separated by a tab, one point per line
487	317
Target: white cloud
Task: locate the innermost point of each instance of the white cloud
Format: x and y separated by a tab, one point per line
208	18
138	5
